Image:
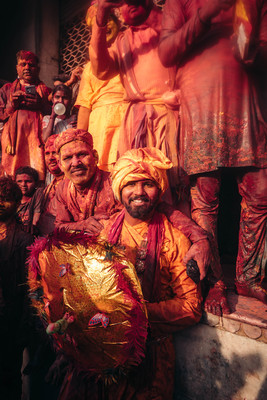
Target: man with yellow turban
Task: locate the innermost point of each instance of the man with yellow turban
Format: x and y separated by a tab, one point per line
157	249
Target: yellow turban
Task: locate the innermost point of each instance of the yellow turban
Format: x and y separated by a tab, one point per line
91	14
71	135
138	164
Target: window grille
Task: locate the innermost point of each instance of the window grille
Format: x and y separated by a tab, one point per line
74	40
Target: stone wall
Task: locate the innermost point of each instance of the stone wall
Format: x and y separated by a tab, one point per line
224	358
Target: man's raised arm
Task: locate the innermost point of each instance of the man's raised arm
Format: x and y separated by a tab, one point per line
104	61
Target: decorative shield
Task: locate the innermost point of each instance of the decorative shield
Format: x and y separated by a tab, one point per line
90	299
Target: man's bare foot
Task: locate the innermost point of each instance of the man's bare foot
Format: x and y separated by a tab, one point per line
255	290
216	302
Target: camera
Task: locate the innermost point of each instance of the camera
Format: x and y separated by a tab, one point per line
30	89
193	271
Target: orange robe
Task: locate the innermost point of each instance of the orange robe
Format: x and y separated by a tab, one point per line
179	306
223	119
104	99
223	116
22	132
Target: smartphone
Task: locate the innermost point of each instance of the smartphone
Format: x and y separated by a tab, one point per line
30	89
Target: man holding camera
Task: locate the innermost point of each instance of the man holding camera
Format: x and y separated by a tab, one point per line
22	105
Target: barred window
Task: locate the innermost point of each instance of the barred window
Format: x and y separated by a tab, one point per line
74	41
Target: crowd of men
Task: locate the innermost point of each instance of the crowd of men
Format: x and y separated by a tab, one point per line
169	101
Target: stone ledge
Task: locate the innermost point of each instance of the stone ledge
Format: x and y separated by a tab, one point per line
215	364
249	318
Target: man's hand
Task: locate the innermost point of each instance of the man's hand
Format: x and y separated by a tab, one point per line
212	8
92	224
32	100
103	10
75	76
201	253
17	98
216	301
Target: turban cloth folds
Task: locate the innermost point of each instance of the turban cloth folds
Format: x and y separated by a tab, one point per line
139	164
71	135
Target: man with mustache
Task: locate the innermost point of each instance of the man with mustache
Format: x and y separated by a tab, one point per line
157	249
46	221
22	105
85	195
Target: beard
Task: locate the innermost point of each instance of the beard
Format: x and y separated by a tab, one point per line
143	211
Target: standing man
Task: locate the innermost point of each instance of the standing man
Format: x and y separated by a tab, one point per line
221	120
27	101
157	250
100	102
151	117
13	291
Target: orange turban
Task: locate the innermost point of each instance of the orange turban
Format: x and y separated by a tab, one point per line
138	164
70	135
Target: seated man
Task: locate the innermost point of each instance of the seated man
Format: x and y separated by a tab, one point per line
30	206
13	291
46	221
85	196
157	250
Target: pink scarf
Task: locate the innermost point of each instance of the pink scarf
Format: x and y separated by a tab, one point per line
151	280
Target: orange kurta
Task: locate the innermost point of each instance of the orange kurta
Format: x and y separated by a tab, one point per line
179	306
223	117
